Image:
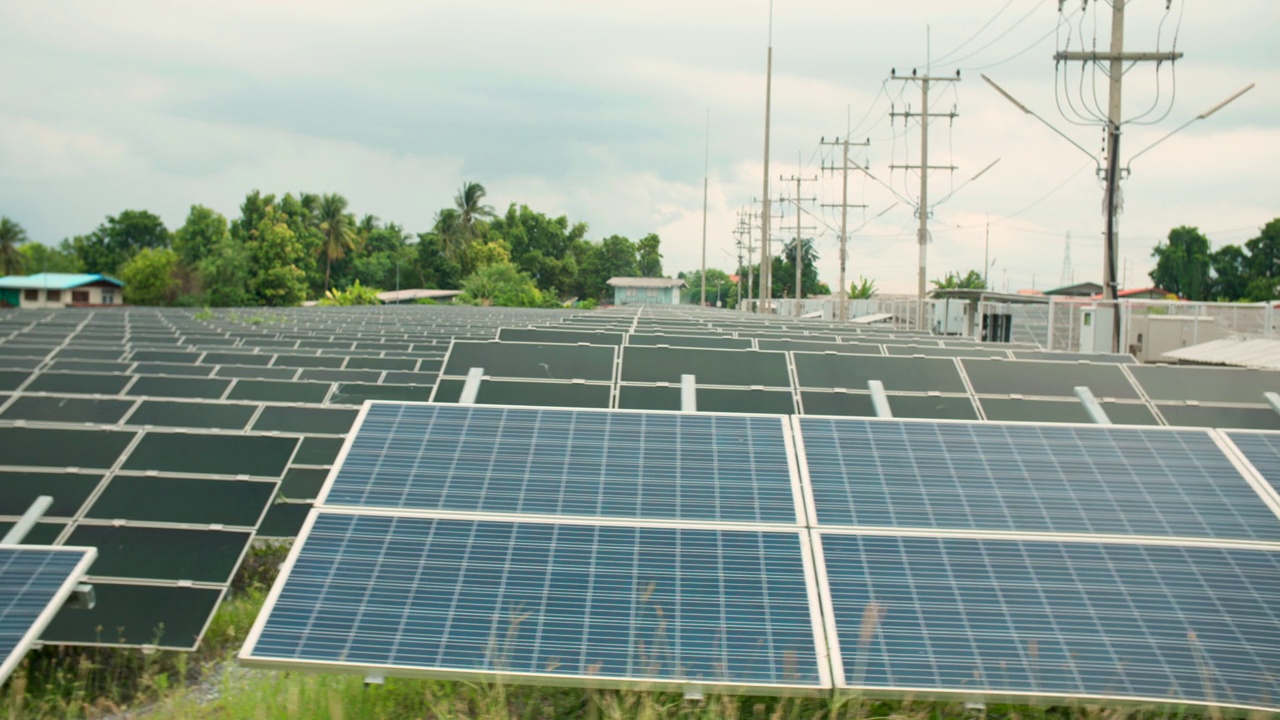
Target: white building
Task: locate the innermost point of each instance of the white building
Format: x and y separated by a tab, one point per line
646	291
59	290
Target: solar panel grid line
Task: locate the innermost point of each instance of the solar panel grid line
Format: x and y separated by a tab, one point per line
909	473
583	606
1012	620
968	387
32	608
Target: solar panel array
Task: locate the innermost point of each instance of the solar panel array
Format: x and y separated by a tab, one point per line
891	557
170	442
803	369
171	439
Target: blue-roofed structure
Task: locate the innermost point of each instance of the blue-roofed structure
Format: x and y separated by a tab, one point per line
58	290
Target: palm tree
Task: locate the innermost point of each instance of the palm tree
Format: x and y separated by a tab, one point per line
470	208
449	227
337	230
11	236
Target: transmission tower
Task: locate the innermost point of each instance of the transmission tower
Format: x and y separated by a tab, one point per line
922	208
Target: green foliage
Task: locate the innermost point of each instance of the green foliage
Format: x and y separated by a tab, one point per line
337	230
12	260
954	281
274	254
435	268
719	284
1182	265
150	277
38	257
862	289
492	252
543	247
356	294
784	270
108	248
650	257
199	235
224	274
587	304
502	284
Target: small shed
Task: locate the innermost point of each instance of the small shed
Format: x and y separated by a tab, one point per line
646	291
398	297
59	290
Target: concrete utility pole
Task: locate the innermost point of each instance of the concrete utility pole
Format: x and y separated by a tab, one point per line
706	171
765	280
923	209
799	246
842	297
1115	61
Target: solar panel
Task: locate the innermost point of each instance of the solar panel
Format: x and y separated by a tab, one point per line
34	582
1027	377
1126	481
167	617
896	373
1203	384
1054	619
604	604
1262	417
1262	450
534	361
653	466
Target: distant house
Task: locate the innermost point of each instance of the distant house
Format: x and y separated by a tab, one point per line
646	291
59	290
398	297
1150	293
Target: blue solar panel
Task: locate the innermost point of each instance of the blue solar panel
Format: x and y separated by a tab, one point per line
32	580
609	603
1262	450
1014	617
569	463
1030	478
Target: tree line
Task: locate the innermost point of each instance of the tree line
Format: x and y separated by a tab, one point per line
1186	266
283	250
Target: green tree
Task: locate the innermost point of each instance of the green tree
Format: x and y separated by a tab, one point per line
338	231
1230	267
435	268
954	281
784	270
225	273
150	277
545	248
121	237
1182	264
274	255
197	237
38	257
11	236
500	284
650	255
1264	263
469	203
716	279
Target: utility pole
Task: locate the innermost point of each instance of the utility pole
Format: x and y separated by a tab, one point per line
765	279
799	244
924	168
842	297
706	169
743	228
1065	279
1115	62
750	222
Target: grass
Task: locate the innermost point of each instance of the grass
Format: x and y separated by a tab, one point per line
74	683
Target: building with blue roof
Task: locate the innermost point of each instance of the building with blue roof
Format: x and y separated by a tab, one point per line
59	290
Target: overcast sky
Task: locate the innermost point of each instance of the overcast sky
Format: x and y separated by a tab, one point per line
597	109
